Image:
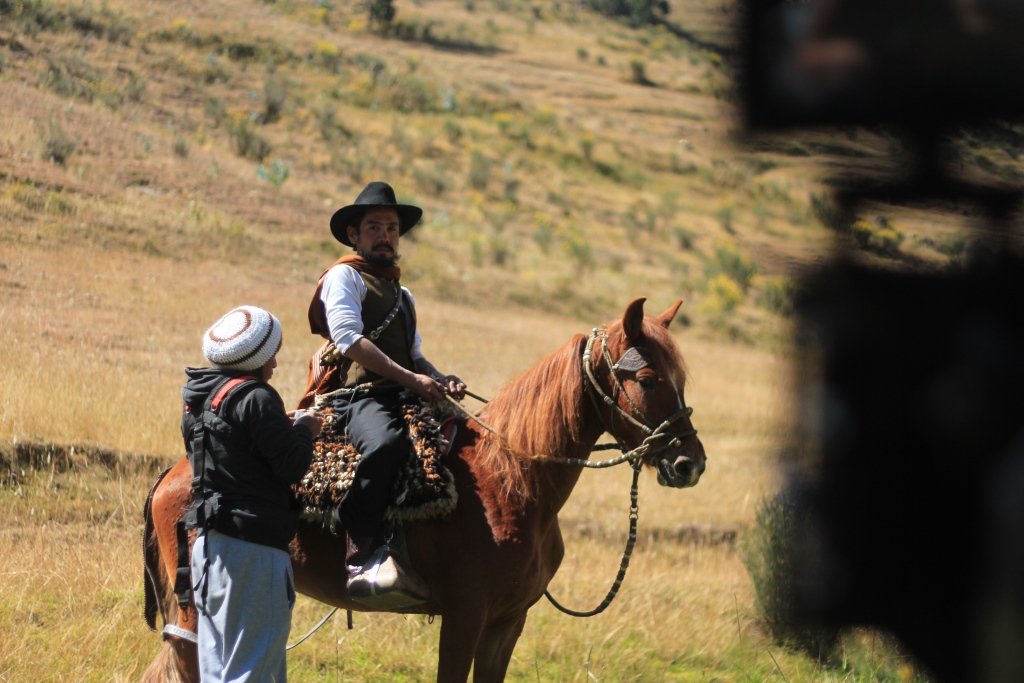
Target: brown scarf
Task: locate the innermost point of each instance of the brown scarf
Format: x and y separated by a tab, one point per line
317	314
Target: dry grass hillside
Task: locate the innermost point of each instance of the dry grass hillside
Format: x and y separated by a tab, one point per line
161	162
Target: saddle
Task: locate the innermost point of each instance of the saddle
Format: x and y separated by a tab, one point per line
424	488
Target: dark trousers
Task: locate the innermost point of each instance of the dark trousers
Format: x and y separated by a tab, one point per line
376	427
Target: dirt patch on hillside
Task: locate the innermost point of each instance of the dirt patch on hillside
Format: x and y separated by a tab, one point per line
683	535
18	458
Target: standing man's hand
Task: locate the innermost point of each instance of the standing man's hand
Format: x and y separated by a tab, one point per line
310	420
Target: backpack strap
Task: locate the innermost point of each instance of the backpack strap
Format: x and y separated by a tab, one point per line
197	458
219	396
225	389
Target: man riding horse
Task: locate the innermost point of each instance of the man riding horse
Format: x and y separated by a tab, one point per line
360	307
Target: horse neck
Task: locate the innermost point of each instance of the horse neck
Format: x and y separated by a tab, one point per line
556	480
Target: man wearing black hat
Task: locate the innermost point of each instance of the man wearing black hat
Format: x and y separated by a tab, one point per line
360	306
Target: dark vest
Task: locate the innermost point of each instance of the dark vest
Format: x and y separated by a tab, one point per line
396	340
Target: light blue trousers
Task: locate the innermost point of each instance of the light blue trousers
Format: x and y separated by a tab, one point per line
245	593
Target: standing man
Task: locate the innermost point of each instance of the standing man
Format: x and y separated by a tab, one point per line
245	453
360	306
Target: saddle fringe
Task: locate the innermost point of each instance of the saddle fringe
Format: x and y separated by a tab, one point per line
424	488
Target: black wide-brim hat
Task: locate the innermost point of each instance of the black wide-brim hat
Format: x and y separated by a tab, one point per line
375	195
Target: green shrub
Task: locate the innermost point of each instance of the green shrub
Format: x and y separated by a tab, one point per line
768	554
452	131
724	216
638	72
723	295
479	170
954	246
775	294
736	266
328	56
275	92
330	129
55	144
214	70
543	233
641	216
878	236
247	143
684	237
636	12
215	108
578	248
510	182
180	146
276	173
431	179
829	213
587	146
382	13
71	76
407	93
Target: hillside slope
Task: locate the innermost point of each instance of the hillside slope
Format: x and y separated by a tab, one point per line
563	159
161	161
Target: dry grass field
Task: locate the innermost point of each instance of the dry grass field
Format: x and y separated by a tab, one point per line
161	162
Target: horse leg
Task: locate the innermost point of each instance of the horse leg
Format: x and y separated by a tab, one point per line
460	633
494	650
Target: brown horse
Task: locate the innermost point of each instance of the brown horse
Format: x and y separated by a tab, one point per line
491	559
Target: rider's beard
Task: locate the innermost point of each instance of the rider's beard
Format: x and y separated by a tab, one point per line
384	260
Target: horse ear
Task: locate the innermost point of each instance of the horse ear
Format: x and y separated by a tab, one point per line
633	319
669	313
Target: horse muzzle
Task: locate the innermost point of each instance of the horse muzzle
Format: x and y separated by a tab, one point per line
681	471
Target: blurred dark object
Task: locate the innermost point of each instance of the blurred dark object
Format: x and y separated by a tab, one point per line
913	485
813	62
910	470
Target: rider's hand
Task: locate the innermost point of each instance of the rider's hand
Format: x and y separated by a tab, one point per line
426	387
453	386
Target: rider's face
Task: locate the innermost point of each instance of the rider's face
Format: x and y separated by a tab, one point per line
376	238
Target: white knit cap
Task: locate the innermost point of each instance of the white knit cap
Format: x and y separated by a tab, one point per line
245	338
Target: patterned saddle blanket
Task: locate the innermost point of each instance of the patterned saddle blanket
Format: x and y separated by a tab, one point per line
424	487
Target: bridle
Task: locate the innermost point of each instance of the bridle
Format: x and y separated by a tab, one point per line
658	438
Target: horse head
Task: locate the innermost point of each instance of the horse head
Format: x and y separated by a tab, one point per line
639	378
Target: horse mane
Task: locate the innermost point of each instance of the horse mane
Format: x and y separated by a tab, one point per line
538	413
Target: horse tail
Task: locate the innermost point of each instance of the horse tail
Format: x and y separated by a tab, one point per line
167	667
176	661
154	582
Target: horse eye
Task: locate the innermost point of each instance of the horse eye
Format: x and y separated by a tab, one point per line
646	382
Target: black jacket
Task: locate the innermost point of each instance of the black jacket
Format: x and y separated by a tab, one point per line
253	454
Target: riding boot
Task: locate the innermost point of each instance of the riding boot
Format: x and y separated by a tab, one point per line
376	577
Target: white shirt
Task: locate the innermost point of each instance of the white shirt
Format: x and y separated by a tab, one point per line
343	294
